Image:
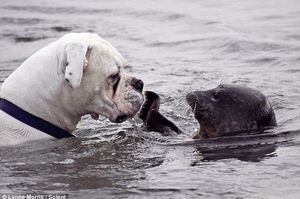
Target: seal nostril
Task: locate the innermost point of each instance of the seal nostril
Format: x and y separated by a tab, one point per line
191	98
137	84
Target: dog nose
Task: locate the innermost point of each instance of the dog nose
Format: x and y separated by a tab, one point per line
121	118
137	84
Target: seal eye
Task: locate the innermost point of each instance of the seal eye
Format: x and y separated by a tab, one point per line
216	95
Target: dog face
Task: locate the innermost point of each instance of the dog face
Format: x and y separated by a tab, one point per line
94	80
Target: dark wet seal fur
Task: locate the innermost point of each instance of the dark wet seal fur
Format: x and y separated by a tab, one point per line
152	119
230	110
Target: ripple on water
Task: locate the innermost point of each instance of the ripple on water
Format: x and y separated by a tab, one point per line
57	10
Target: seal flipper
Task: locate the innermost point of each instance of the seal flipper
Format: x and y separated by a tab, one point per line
152	119
152	103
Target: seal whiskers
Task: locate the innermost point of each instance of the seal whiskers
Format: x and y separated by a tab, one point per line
184	108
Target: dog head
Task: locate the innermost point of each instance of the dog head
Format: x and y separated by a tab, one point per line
94	81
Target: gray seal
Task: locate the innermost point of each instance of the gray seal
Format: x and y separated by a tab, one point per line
230	110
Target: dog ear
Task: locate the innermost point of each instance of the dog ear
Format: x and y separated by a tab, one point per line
77	59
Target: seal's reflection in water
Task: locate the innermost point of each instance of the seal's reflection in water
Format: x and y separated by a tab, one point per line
243	153
249	148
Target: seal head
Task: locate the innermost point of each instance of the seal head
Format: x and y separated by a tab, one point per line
230	109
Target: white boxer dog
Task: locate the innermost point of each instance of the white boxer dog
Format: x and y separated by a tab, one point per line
78	74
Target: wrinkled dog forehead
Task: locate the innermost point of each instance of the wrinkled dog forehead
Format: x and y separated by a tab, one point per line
107	54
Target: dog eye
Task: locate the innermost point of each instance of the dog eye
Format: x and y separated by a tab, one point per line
114	78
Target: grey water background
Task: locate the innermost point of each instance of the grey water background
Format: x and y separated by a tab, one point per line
175	47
